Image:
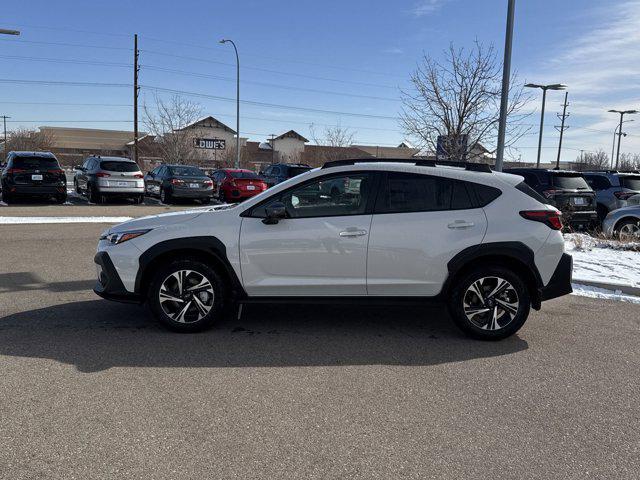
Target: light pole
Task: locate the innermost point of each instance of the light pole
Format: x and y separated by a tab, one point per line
622	114
4	31
237	100
615	134
544	88
504	97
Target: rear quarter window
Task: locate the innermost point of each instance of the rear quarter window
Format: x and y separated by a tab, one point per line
527	190
632	183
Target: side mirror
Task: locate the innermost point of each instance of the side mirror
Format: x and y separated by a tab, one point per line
275	212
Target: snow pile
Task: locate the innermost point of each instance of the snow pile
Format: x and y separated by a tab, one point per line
595	292
602	260
42	220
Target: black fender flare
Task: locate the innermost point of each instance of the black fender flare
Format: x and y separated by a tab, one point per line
209	246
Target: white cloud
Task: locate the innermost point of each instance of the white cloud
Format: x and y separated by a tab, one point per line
426	7
601	66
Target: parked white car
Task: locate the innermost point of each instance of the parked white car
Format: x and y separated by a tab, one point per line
483	242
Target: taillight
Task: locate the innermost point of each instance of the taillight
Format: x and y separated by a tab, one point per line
102	174
624	195
138	175
15	170
208	183
550	193
176	181
551	218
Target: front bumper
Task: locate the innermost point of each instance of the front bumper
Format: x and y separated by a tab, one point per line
109	284
560	282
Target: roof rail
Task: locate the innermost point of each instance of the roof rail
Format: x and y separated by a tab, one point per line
476	167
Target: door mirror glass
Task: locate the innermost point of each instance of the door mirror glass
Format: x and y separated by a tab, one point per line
274	213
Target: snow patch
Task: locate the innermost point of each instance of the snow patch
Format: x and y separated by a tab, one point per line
44	220
595	292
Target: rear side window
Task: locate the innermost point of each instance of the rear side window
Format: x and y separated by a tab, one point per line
527	190
294	171
632	183
35	163
115	166
571	182
405	192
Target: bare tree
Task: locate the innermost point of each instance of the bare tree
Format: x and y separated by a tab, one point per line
336	141
31	140
629	161
592	161
167	121
458	100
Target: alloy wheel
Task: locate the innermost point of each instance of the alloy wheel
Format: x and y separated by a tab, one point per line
630	231
186	296
490	303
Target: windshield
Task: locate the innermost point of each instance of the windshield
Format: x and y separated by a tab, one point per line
116	166
35	163
246	175
187	172
570	182
632	183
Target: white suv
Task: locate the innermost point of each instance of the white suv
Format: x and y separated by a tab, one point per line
481	241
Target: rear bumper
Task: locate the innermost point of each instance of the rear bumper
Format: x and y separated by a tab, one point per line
192	192
109	285
37	189
120	190
582	218
560	282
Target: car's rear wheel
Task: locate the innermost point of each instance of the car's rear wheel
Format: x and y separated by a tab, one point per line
628	230
490	303
92	194
187	295
77	187
205	200
165	196
61	199
6	196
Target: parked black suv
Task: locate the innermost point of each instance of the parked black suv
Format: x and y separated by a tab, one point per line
279	172
568	191
34	174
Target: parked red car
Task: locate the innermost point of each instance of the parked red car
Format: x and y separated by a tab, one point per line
236	184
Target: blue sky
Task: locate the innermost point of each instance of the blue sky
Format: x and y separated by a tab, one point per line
335	56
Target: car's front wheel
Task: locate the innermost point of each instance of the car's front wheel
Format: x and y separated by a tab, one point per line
628	230
187	295
490	303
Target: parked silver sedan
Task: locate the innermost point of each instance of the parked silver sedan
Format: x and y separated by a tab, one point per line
623	223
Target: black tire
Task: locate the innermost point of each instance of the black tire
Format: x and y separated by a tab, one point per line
631	223
506	324
92	194
6	196
60	199
77	187
205	200
193	322
165	197
138	200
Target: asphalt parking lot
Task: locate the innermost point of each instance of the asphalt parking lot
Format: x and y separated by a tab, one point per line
94	389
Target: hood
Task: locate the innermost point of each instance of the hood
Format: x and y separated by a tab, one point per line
165	219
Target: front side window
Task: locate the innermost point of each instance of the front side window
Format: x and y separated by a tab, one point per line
325	197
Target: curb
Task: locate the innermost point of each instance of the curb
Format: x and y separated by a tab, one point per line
626	289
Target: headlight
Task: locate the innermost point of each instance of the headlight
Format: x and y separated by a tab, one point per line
116	238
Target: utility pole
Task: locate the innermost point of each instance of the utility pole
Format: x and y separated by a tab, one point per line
4	150
622	114
506	71
562	128
273	146
136	90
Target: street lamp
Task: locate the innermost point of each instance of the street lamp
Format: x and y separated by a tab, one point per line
553	86
622	114
9	32
237	100
615	134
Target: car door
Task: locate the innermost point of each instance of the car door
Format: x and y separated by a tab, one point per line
419	223
83	174
320	249
151	182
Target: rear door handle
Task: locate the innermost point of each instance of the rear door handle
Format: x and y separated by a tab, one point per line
460	225
353	233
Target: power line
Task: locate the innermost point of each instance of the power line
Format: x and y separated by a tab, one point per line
68	104
63	44
63	83
277	72
65	60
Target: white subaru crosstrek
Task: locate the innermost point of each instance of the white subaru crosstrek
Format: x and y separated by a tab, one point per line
481	241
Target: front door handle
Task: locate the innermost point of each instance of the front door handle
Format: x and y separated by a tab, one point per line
460	224
353	233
